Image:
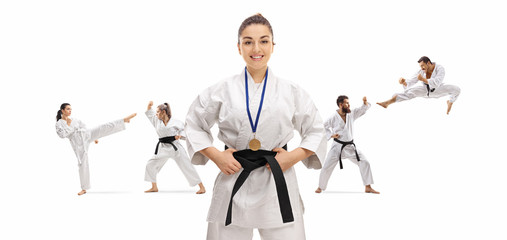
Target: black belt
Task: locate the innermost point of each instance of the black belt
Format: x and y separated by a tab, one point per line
251	160
428	89
344	144
169	140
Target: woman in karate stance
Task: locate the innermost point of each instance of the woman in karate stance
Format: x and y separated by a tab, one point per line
80	138
256	113
170	131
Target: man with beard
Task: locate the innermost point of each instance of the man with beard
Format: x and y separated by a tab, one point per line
340	127
432	77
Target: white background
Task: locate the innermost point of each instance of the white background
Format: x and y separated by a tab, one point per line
440	176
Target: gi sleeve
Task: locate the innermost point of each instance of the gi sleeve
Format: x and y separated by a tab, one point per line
411	81
437	78
308	123
329	127
152	116
63	130
201	116
180	126
360	111
80	124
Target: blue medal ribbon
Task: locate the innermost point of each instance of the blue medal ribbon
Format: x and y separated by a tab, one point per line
254	127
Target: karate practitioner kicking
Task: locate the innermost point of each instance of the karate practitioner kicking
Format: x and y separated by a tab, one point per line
340	127
80	138
169	130
431	76
257	113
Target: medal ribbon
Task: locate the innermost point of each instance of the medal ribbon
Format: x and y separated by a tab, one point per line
254	127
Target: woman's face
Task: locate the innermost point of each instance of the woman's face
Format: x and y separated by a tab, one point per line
160	114
67	111
255	46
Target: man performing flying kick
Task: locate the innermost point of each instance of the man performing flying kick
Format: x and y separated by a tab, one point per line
340	127
432	77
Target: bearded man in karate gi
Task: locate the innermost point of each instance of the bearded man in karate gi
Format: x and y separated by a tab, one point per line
340	127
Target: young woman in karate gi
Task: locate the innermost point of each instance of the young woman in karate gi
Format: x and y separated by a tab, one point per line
255	110
167	127
80	138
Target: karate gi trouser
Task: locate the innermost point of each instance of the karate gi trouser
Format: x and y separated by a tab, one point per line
96	133
422	91
348	152
165	152
293	231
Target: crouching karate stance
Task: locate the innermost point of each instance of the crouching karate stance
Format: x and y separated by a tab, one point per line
432	77
80	138
169	130
340	127
256	113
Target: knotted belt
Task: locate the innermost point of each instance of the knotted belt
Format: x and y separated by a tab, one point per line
344	144
169	140
251	160
428	89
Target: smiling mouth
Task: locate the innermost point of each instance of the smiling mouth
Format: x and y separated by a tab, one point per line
257	58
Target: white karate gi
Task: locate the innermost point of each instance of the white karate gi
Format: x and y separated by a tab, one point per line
335	125
80	138
435	82
165	150
286	107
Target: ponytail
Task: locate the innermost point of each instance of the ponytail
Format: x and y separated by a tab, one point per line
168	111
166	108
59	113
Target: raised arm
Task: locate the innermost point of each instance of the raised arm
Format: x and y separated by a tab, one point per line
408	83
151	114
360	111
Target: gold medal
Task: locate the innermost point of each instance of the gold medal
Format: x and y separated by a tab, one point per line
254	144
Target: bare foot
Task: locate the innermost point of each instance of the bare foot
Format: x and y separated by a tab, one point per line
369	189
151	190
383	104
127	119
81	193
202	190
449	106
318	190
386	104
